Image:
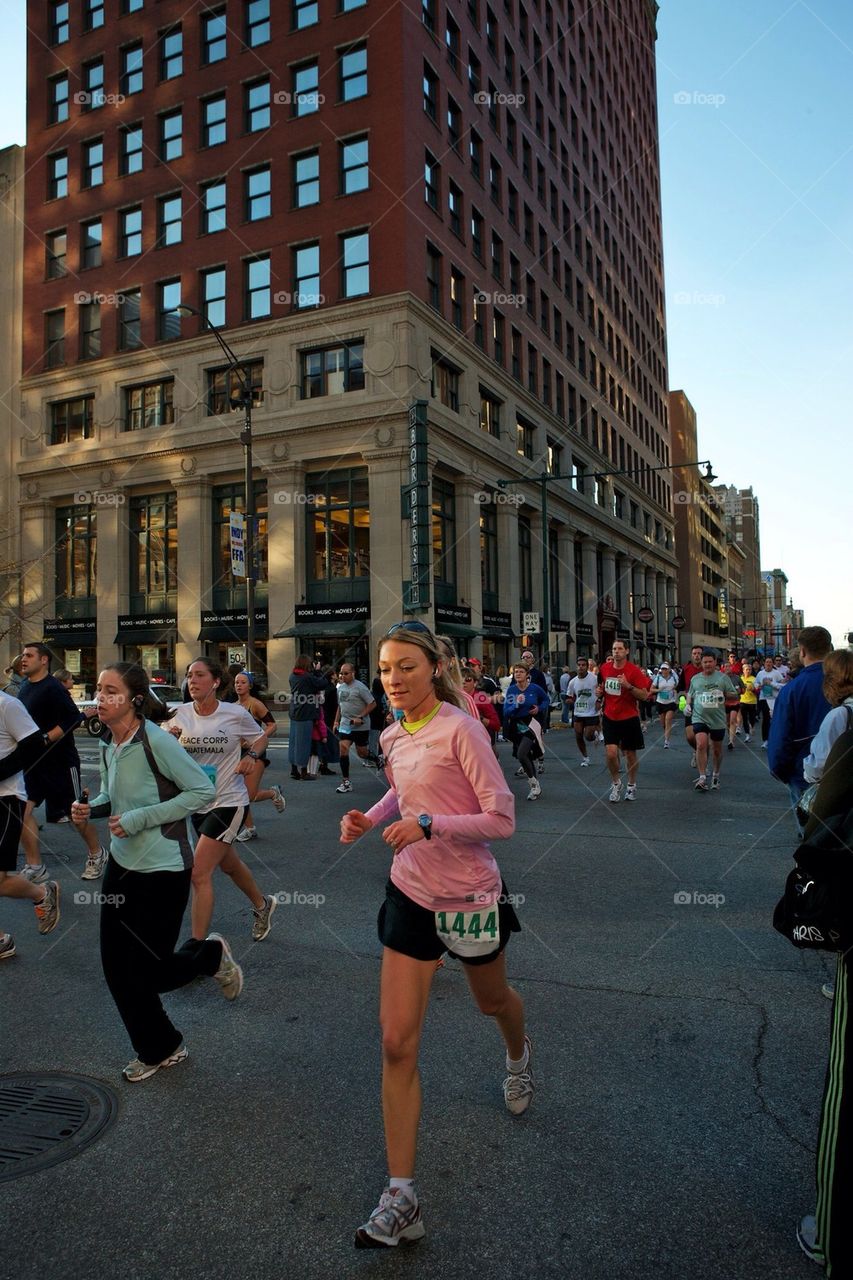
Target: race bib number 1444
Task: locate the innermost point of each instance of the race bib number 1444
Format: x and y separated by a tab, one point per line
469	933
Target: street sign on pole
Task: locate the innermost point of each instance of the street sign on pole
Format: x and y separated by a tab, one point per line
645	614
530	623
679	621
237	526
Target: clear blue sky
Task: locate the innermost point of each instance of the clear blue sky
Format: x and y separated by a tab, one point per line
757	170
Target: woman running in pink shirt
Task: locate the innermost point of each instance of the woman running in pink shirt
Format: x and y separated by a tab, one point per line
445	893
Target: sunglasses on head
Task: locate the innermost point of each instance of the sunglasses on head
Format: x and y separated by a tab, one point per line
409	624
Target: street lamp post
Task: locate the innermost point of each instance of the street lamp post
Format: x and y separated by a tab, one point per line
238	367
544	480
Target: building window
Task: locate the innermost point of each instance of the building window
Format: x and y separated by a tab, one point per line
213	296
428	15
93	163
306	276
56	243
131	6
257	194
451	40
93	86
213	32
433	275
57	99
497	256
171	53
430	87
474	73
332	371
578	475
489	555
129	331
355	256
71	420
305	13
59	22
490	413
353	73
525	562
93	14
338	526
90	330
213	126
168	220
129	233
213	216
475	153
256	100
257	288
130	149
306	179
57	175
76	553
495	181
168	320
130	77
346	5
477	234
171	135
257	22
444	384
54	338
525	439
432	181
443	532
228	498
555	457
154	546
498	329
354	165
306	98
91	240
149	405
457	298
225	390
454	124
454	208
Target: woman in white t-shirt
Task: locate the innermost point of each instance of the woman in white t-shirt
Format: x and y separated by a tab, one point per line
664	688
212	732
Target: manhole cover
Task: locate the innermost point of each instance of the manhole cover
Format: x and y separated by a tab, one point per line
49	1117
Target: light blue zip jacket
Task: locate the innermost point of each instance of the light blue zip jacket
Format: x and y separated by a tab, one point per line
153	806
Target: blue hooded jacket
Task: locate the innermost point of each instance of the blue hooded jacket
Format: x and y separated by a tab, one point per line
797	716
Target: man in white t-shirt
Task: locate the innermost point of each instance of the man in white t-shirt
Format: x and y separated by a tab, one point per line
352	723
21	745
665	691
768	682
582	697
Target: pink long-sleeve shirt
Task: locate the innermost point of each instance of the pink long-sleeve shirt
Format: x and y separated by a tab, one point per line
448	770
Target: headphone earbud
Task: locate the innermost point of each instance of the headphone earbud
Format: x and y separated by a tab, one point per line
138	700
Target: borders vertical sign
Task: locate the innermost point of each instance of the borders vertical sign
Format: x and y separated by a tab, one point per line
419	508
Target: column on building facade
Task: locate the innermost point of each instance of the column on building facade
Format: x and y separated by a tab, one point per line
469	571
195	522
638	579
287	566
538	549
651	629
113	554
660	607
624	588
38	568
508	567
566	569
589	546
608	563
389	559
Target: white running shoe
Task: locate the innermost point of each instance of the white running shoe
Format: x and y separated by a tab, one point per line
345	786
615	792
701	783
518	1085
585	762
35	874
747	737
535	790
278	800
262	920
136	1070
764	746
715	782
631	791
540	767
519	773
248	833
666	744
229	975
395	1220
95	864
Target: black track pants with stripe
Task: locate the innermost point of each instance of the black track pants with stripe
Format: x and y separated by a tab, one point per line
835	1139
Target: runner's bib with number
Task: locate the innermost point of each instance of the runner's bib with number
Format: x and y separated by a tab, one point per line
666	695
710	698
584	704
613	685
209	770
469	933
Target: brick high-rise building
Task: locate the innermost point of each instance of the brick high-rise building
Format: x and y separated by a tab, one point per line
458	206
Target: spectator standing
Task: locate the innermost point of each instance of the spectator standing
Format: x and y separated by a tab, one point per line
799	710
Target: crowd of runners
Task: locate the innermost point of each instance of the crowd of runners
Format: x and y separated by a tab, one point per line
440	733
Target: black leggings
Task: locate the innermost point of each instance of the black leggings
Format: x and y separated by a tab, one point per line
528	751
764	709
749	715
141	916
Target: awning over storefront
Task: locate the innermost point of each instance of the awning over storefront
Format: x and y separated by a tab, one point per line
457	629
145	629
318	630
72	639
230	626
497	633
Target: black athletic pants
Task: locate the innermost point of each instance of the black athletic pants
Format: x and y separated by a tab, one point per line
141	914
835	1139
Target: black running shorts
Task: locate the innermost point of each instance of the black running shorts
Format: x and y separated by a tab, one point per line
407	927
11	822
626	734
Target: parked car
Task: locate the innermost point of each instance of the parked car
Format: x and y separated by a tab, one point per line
168	694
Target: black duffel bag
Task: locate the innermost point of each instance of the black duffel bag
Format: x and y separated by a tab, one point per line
816	910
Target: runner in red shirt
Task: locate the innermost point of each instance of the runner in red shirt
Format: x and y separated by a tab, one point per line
622	686
688	671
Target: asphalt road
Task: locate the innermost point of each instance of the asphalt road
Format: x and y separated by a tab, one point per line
680	1047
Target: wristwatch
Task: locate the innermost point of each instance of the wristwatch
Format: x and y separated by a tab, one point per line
425	824
253	755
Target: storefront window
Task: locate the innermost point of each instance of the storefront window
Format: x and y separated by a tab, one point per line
443	532
227	498
525	563
153	552
76	547
338	517
489	556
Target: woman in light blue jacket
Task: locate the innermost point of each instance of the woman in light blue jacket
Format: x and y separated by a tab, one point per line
149	785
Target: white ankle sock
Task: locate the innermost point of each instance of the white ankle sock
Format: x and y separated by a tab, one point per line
515	1068
406	1185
